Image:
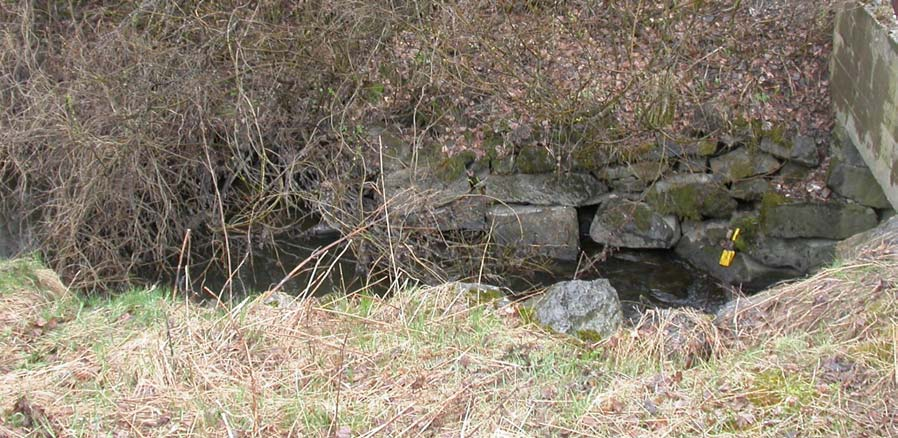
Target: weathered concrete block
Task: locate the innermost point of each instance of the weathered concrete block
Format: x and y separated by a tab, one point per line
857	183
551	231
864	88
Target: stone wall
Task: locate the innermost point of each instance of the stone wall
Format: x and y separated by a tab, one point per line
680	195
864	83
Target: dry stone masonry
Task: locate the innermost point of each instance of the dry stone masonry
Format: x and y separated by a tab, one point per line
683	196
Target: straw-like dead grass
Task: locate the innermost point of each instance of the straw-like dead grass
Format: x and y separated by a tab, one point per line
815	357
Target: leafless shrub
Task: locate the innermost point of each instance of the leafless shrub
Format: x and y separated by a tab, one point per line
117	119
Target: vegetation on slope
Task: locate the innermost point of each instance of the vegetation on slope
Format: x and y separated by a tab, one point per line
818	357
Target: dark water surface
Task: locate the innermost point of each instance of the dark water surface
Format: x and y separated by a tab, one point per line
643	279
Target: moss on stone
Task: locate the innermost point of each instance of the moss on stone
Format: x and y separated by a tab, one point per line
769	201
480	296
692	201
776	134
589	157
626	213
707	147
749	229
452	168
534	159
643	217
684	201
741	169
588	336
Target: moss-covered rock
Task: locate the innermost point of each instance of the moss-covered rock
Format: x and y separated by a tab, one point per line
833	220
691	196
701	246
707	147
451	168
534	159
580	308
749	231
743	163
632	224
752	189
801	149
802	255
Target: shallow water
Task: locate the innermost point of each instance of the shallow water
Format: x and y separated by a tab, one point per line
643	279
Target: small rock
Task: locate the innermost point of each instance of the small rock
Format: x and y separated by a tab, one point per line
750	189
590	308
630	184
791	172
645	170
693	165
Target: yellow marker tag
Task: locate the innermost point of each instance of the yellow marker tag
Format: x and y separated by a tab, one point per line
736	234
726	259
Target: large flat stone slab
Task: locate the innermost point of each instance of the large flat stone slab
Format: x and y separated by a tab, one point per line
574	189
831	220
803	255
552	231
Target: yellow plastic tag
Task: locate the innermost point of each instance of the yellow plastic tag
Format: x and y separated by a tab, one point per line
726	258
736	234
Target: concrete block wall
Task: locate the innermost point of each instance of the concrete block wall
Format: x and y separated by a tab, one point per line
864	87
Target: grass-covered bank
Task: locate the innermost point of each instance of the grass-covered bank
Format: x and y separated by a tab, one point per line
813	358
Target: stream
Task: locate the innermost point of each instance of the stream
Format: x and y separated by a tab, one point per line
643	278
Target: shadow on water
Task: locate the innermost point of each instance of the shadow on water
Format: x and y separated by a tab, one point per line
262	269
643	279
